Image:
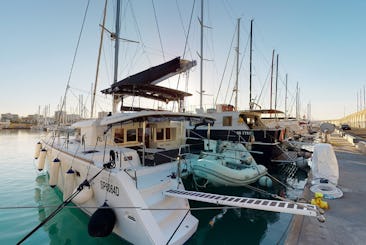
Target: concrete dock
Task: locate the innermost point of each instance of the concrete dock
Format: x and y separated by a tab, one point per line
346	219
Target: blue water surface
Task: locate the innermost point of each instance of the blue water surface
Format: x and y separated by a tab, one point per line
26	200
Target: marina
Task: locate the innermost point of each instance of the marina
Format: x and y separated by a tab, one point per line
36	200
344	222
135	160
124	169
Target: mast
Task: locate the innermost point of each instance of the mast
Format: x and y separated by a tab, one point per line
98	61
358	102
270	96
361	99
80	105
116	51
237	68
250	65
299	110
297	101
276	82
64	118
364	99
201	58
286	99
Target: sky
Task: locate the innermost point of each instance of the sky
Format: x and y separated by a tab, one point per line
320	46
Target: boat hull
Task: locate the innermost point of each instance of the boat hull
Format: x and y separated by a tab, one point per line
131	199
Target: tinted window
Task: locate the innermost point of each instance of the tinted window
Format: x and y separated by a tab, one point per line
131	135
140	134
119	135
159	134
167	133
227	121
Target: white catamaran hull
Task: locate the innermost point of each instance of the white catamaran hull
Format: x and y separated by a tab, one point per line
143	214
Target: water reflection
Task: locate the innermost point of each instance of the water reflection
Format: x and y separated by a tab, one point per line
70	225
232	225
19	132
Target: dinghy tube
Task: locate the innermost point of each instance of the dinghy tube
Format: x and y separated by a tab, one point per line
101	223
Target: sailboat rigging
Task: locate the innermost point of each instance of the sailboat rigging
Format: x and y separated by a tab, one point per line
128	164
98	61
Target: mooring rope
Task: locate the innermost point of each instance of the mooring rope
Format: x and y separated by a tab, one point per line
62	205
176	229
278	181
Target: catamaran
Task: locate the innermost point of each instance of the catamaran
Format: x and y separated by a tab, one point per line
126	162
124	170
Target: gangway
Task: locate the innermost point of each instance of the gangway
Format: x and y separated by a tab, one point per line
251	203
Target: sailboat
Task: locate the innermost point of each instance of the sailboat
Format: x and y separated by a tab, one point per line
126	161
242	126
117	168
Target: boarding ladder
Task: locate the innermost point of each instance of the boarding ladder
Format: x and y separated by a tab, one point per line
251	203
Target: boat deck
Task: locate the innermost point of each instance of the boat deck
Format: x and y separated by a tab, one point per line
345	220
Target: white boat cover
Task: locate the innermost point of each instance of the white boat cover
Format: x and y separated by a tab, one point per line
324	163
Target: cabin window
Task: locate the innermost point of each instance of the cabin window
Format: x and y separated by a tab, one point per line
250	122
131	135
172	133
159	134
227	121
167	134
140	134
119	135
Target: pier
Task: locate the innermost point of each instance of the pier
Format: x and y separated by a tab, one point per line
345	219
355	120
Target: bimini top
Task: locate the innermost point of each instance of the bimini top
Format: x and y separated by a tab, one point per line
143	83
156	116
151	92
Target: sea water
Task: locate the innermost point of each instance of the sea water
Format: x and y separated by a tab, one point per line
26	199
